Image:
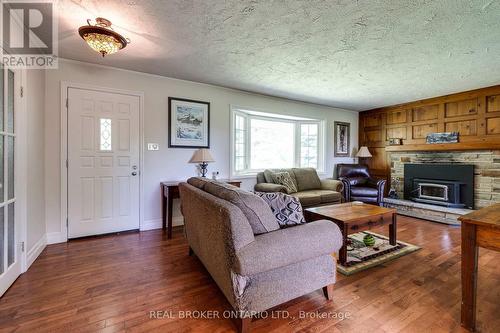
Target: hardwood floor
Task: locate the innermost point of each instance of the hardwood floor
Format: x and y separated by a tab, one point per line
112	283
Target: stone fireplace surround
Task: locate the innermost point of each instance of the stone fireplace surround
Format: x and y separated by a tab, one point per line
486	181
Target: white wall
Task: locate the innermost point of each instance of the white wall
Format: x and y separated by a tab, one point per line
35	118
168	164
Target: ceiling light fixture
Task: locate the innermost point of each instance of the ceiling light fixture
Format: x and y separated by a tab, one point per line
102	38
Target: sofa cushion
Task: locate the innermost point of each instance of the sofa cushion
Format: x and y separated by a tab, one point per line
261	178
284	178
255	209
325	196
286	208
352	170
308	198
361	191
288	246
357	180
307	179
329	196
197	182
365	199
268	175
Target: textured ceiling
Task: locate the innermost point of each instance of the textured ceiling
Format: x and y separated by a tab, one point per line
345	53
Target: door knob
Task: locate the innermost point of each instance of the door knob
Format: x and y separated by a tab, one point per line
134	173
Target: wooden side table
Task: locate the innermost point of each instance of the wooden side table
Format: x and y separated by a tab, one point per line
479	228
170	191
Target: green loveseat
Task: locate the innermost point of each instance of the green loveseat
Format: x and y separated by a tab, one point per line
312	191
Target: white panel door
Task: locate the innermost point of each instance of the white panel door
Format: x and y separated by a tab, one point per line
10	234
103	162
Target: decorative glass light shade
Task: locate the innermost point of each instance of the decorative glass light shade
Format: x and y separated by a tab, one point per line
101	38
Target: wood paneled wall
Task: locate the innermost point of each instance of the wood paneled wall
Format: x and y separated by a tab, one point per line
474	114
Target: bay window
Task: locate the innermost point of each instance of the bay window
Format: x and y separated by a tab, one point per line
268	141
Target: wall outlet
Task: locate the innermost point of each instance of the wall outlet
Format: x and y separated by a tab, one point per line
153	146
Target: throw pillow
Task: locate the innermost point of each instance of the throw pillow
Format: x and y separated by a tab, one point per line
307	179
284	178
268	176
286	208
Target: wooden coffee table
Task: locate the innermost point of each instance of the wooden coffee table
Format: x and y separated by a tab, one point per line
352	218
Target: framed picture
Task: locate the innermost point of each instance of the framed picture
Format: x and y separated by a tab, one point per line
395	141
189	123
446	137
342	139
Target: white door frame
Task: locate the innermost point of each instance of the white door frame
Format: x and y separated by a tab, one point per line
21	163
20	167
65	85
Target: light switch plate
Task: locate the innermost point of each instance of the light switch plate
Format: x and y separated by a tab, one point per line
153	146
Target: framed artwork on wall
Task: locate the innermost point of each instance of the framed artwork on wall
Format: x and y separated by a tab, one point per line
189	123
342	140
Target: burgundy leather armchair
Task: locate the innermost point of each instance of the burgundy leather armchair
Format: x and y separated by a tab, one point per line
359	185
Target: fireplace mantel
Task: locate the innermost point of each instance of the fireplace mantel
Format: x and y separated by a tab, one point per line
445	147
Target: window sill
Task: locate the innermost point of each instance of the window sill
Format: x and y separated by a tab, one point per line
247	176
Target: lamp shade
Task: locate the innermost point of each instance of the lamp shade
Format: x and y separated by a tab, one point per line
201	156
363	152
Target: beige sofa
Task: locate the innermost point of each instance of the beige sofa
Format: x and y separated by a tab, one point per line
256	264
312	191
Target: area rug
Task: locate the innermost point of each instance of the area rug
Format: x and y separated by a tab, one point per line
361	257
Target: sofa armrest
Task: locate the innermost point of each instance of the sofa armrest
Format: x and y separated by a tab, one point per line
332	185
269	187
346	193
288	246
379	184
374	182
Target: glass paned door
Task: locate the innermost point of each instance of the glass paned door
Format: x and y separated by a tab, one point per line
10	266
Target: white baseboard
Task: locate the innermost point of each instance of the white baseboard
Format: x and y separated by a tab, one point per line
56	237
150	225
157	223
59	237
35	251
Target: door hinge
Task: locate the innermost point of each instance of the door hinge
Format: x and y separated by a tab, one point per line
67	222
67	164
22	91
22	246
67	103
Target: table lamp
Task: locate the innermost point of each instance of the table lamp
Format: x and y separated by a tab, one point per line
363	152
202	157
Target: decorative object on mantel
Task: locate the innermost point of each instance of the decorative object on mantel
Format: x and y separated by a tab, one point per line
445	137
363	152
203	157
342	139
395	141
461	146
189	123
101	37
